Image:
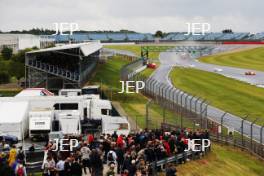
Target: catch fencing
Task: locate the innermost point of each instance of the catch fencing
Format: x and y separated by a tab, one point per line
194	110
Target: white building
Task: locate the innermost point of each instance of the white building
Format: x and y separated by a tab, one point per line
22	41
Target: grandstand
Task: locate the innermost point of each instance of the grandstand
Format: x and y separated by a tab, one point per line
217	36
103	37
116	37
66	66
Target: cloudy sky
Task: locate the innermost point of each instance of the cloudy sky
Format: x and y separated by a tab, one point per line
138	15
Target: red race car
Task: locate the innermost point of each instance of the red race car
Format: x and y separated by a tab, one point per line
152	65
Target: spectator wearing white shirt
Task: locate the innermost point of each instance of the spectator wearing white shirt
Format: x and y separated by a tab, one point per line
85	151
60	167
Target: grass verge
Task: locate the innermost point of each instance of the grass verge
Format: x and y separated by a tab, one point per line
223	160
230	95
134	104
136	49
249	59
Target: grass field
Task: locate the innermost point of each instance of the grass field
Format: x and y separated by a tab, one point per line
225	93
136	49
134	104
223	161
249	59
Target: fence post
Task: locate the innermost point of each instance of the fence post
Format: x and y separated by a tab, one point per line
151	87
261	135
147	113
149	80
251	133
222	121
191	102
181	108
177	95
159	85
154	90
185	101
167	88
186	104
171	97
175	99
205	114
201	113
182	93
195	105
242	129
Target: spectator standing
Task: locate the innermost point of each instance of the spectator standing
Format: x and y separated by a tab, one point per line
67	167
111	157
85	153
120	159
60	167
76	169
96	163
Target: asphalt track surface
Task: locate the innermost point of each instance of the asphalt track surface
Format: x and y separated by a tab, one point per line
170	59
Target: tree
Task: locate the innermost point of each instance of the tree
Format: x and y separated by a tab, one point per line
226	31
7	53
159	34
4	77
20	56
16	69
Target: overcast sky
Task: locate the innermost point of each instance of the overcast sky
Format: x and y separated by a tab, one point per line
138	15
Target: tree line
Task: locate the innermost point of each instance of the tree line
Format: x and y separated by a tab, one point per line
12	65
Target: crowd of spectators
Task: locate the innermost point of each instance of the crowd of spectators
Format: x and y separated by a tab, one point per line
106	155
120	155
12	160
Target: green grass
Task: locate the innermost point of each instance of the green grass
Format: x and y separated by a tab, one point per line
249	59
136	49
108	75
223	160
230	95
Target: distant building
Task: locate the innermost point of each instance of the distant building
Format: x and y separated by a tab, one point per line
22	41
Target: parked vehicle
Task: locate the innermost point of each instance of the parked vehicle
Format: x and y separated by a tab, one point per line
40	123
10	139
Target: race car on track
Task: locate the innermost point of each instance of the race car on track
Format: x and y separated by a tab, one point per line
250	73
218	70
152	65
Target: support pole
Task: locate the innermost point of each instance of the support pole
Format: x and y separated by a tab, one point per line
251	133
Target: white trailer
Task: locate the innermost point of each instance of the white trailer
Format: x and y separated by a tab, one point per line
40	122
98	107
14	118
70	122
120	125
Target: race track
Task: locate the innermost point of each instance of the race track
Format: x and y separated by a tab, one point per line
169	59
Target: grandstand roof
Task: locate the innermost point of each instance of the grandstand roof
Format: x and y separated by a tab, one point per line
86	48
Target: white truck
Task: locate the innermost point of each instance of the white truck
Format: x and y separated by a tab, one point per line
40	123
100	110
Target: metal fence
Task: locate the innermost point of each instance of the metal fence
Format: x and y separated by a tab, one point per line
177	159
195	110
